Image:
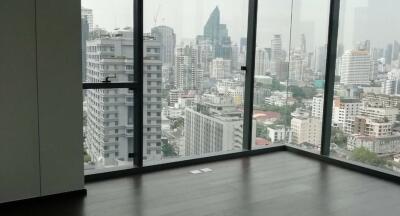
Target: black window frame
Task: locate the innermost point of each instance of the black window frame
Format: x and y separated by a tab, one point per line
249	68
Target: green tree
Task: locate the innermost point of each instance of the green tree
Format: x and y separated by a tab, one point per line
363	155
177	123
339	137
303	92
168	150
262	131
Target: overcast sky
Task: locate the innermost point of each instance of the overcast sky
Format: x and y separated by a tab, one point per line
188	17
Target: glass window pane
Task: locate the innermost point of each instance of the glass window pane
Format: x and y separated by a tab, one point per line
107	129
193	96
107	51
365	111
290	72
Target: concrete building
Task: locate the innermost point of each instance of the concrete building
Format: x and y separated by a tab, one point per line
364	126
277	133
87	14
355	68
378	145
262	62
380	113
188	76
305	129
317	109
109	131
213	125
276	55
167	37
220	68
344	110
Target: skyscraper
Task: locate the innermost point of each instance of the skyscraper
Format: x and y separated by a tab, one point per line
355	68
188	75
167	38
87	14
389	54
262	62
220	68
276	54
217	33
84	38
109	133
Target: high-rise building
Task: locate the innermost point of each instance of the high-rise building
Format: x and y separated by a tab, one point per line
317	109
396	50
389	54
167	37
320	62
297	69
152	105
217	33
84	38
306	130
262	62
109	133
220	68
355	68
87	14
243	44
188	75
276	55
343	110
213	125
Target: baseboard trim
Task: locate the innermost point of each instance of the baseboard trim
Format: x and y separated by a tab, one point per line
76	193
183	163
350	165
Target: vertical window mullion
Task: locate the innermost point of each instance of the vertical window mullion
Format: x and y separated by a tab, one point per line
250	68
334	13
138	77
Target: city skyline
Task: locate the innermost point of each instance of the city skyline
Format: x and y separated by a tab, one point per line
194	88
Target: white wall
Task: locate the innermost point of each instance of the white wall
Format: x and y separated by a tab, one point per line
19	145
60	95
41	149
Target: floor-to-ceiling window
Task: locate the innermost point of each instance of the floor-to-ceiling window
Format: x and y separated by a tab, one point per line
290	72
365	119
193	85
107	71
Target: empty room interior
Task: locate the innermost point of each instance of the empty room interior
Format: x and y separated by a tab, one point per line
200	107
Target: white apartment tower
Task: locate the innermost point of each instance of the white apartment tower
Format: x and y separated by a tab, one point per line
213	125
109	112
188	75
167	38
262	62
109	131
355	68
220	68
276	54
318	106
152	107
345	110
87	14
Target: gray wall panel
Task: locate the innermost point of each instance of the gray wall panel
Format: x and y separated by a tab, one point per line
19	145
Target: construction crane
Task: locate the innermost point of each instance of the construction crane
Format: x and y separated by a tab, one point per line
155	18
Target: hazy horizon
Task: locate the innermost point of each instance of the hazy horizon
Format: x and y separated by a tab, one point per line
188	17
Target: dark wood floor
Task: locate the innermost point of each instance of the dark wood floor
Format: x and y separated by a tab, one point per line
274	184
